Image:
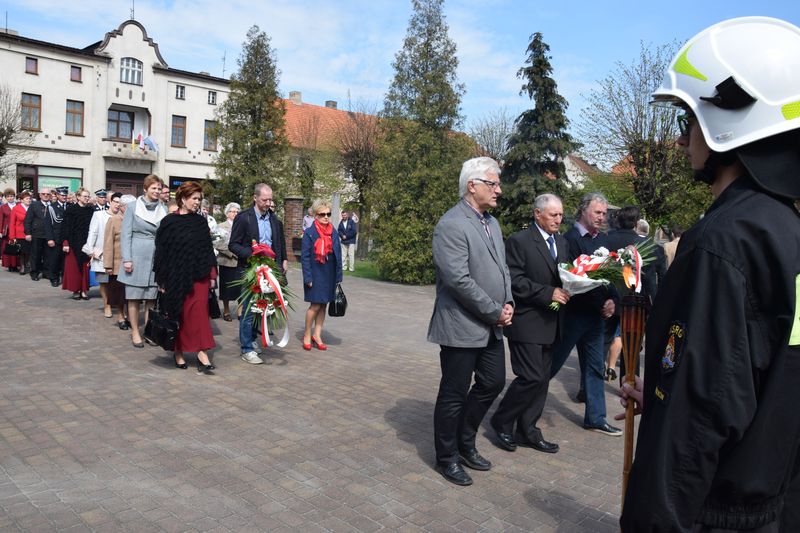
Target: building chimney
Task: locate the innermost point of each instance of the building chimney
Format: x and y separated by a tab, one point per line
296	97
331	104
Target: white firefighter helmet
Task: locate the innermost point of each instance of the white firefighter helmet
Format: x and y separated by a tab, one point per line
741	79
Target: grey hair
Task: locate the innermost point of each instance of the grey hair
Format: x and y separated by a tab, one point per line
543	200
232	205
642	226
125	199
476	168
205	203
260	187
587	199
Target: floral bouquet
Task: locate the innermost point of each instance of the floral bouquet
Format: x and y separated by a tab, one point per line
264	288
623	268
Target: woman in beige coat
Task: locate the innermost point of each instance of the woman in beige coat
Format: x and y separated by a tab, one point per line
227	261
112	258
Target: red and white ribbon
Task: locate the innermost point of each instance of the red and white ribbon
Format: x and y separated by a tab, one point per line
268	283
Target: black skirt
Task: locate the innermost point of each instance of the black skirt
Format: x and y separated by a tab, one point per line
227	289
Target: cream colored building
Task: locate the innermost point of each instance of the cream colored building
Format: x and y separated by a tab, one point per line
83	107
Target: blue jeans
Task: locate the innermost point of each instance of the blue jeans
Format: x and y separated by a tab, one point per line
246	335
586	332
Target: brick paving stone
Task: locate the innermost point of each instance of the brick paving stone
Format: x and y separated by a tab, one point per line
97	435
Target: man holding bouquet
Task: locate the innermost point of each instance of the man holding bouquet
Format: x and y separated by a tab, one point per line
532	256
586	316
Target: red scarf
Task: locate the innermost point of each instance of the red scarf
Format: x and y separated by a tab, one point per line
324	244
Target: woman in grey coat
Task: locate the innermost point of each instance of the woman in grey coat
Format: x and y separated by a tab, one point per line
137	246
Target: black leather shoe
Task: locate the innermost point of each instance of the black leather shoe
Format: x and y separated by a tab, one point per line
35	276
539	445
504	440
474	460
606	429
454	473
54	283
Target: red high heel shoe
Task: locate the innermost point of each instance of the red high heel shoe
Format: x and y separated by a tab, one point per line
307	347
319	344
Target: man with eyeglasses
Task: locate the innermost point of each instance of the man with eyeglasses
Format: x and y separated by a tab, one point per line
473	304
258	223
38	226
719	440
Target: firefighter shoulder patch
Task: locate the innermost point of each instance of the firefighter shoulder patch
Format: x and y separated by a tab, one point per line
674	349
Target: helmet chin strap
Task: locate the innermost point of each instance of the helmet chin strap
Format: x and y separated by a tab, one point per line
708	174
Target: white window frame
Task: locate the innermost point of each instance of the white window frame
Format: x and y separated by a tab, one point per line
180	92
212	97
130	71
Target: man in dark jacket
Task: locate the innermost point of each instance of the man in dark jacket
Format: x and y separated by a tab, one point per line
532	256
347	235
719	439
38	225
261	225
584	323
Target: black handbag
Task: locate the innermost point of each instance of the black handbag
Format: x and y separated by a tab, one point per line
213	304
339	304
160	329
14	248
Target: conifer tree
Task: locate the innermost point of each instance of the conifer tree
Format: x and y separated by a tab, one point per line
251	128
539	143
420	155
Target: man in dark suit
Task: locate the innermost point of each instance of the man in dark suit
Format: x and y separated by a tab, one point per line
473	304
532	256
38	225
56	256
258	223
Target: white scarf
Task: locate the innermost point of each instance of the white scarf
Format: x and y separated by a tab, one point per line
154	216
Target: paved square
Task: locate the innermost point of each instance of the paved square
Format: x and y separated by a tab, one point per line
96	435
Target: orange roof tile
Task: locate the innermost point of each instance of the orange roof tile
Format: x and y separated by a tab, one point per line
312	126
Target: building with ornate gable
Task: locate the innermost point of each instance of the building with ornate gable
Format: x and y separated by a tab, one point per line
82	108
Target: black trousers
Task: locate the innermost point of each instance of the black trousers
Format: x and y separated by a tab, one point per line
525	397
460	408
41	257
56	265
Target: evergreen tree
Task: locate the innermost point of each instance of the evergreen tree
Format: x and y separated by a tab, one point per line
251	129
534	161
419	157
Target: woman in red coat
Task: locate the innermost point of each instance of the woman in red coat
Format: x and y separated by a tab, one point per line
185	270
11	262
16	230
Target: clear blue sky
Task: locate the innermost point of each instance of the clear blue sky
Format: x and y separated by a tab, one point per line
328	50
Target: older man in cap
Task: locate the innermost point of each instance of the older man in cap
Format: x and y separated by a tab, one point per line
101	200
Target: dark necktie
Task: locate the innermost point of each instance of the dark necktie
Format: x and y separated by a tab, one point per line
551	242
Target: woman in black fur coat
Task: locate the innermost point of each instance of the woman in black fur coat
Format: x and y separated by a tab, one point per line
185	270
74	232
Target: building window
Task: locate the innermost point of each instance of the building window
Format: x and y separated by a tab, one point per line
130	71
212	97
75	73
178	131
31	65
74	118
120	125
210	136
31	112
180	92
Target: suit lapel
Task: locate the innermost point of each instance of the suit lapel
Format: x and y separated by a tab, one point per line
541	245
472	216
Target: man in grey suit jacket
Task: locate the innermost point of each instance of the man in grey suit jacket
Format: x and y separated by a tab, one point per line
533	256
473	304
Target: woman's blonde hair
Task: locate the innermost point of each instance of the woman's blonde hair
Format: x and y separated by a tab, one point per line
320	203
